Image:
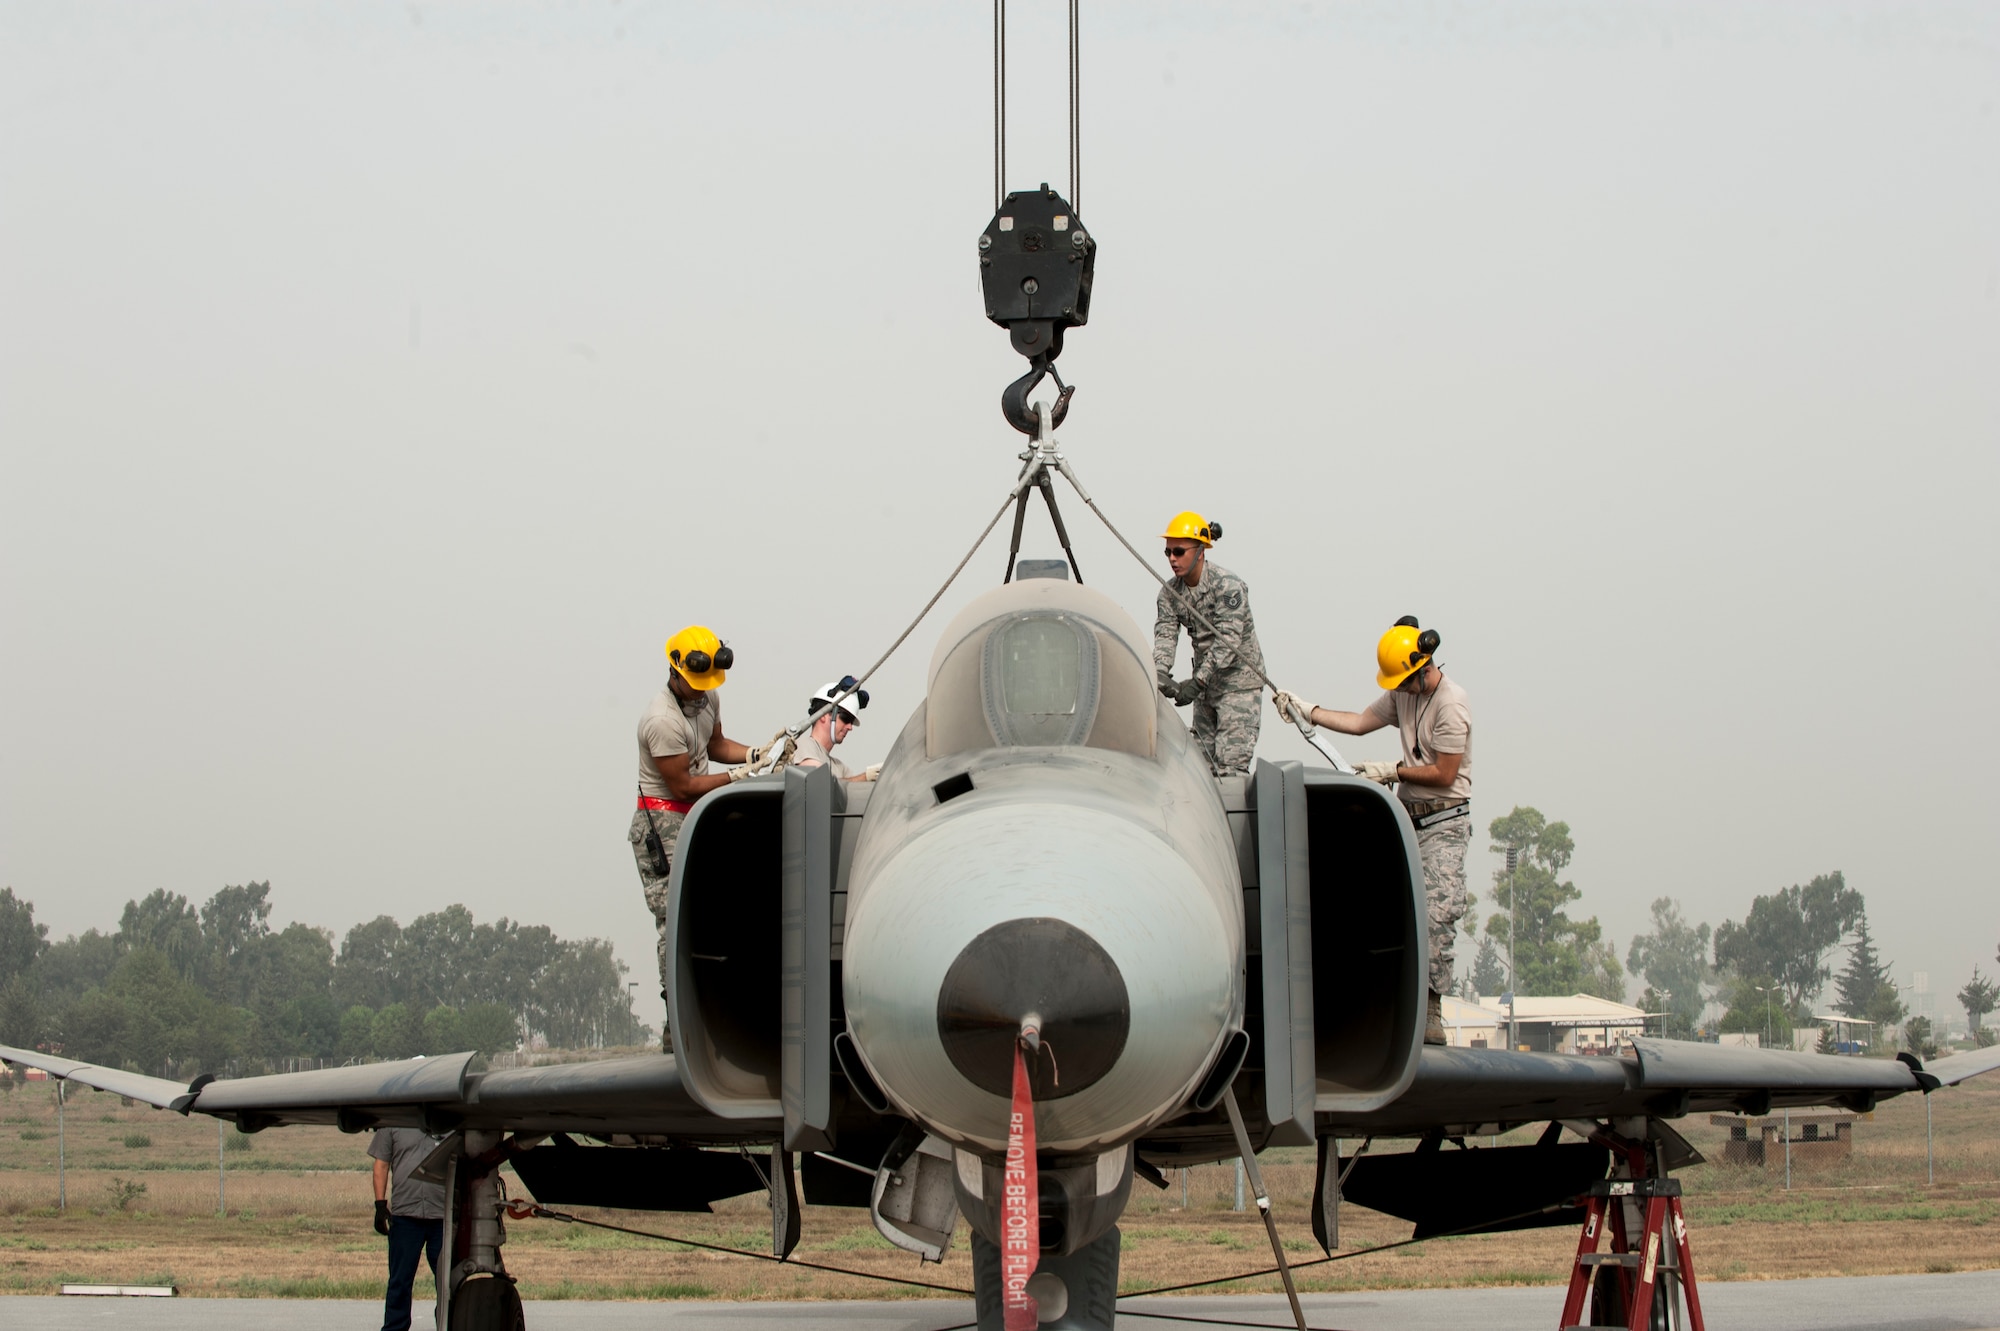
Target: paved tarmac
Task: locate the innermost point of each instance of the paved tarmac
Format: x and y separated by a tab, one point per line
1969	1301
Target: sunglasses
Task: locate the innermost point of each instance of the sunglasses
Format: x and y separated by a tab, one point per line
1176	551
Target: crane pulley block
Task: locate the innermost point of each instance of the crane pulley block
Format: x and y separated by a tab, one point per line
1035	262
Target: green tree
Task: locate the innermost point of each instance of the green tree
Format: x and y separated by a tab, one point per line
397	1032
1918	1038
72	968
1788	934
443	1031
149	1016
1864	975
488	1028
166	924
1886	1008
23	1019
1749	1010
1674	960
356	1039
1978	998
22	941
369	969
582	1000
1489	977
1553	953
436	956
235	926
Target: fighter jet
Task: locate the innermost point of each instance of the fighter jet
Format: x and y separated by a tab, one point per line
1046	901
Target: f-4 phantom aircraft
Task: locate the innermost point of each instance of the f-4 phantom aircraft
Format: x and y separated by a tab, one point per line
1047	904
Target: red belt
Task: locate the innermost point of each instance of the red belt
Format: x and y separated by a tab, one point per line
671	806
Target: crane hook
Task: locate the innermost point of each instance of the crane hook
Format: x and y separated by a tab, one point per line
1014	398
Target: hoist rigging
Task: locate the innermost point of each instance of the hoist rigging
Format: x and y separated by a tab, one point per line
1036	258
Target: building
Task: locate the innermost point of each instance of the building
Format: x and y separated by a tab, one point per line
1468	1025
1849	1035
1575	1024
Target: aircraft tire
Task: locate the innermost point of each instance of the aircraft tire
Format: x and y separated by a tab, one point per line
489	1303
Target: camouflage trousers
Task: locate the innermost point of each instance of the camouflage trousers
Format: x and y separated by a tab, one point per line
1225	729
1442	850
654	884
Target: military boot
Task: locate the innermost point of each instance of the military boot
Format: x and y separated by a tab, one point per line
1434	1020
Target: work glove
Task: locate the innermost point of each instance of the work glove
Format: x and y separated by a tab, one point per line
872	772
756	756
1186	691
1293	708
382	1217
1382	772
741	773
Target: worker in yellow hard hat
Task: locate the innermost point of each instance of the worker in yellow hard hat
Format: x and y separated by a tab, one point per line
680	733
1213	605
1433	780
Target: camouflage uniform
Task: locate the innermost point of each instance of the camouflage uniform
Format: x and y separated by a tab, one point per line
1442	850
654	885
1228	664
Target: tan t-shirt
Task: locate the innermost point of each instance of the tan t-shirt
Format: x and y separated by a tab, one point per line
1431	723
670	726
809	751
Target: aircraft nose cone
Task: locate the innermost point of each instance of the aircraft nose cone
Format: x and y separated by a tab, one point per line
1041	968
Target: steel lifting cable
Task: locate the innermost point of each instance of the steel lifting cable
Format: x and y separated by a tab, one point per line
999	103
1000	108
1186	603
841	696
1075	114
1481	1227
1343	1256
521	1211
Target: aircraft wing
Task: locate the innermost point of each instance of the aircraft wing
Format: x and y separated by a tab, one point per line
1456	1089
639	1095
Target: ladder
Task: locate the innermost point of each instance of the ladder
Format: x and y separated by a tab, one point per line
1655	1257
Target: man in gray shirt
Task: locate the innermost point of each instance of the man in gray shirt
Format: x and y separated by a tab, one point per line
409	1211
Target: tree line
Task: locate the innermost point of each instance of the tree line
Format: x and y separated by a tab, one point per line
1768	971
178	986
1764	972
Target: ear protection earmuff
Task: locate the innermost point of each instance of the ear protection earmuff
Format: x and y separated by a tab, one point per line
699	662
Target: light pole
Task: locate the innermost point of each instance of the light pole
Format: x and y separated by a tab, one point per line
1666	997
1513	979
1767	1011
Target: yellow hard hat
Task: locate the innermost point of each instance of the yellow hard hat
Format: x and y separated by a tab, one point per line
699	657
1191	526
1402	652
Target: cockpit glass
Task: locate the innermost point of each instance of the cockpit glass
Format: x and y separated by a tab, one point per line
1038	667
1041	678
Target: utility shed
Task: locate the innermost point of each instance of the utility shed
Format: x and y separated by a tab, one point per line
1817	1139
1573	1024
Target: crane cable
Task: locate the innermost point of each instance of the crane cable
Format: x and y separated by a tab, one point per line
1000	107
1186	603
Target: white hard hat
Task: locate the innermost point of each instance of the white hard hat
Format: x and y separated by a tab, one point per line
851	699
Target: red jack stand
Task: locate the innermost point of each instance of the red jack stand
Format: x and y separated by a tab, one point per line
1639	1293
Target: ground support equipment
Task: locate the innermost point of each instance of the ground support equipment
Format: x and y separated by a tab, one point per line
1632	1285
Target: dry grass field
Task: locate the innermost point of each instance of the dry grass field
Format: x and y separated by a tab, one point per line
143	1209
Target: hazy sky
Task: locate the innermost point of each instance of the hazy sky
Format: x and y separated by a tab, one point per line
380	385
